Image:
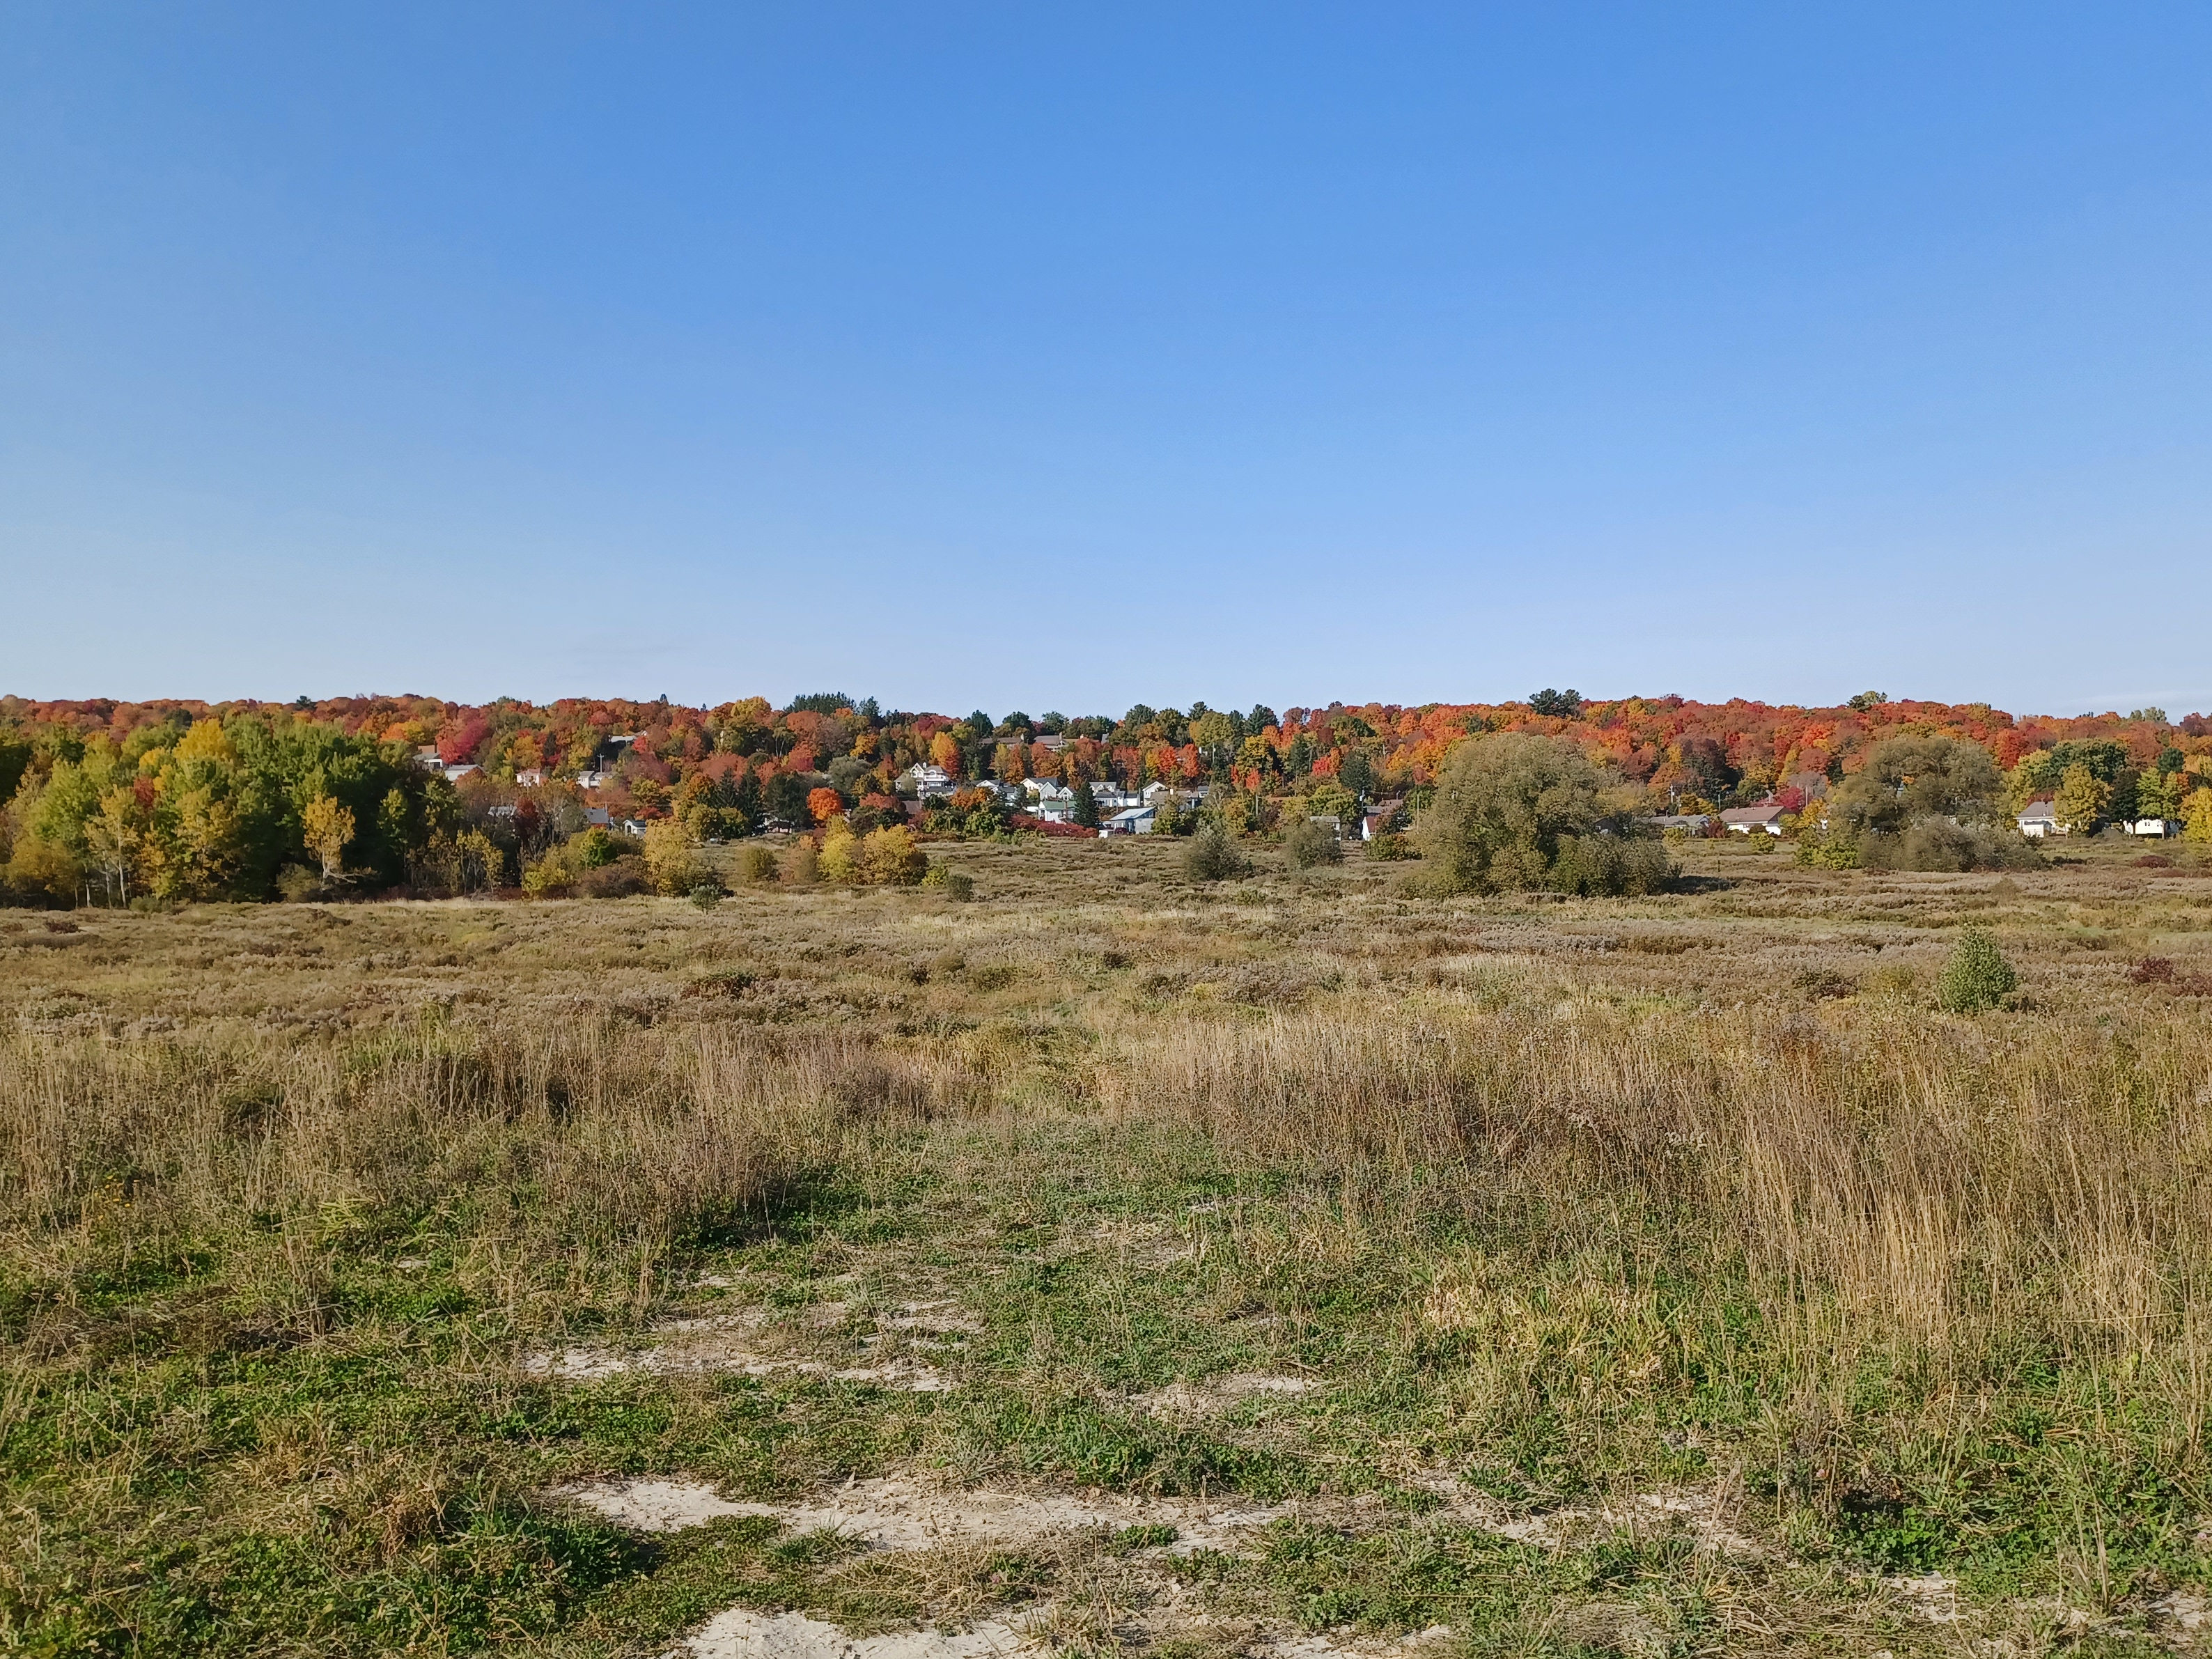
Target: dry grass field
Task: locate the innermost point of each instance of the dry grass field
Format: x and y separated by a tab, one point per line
1286	1266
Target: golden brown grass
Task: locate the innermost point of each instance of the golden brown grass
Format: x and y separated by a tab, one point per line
1572	1200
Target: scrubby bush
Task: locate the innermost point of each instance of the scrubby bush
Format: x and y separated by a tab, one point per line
839	858
1939	844
1212	856
595	847
1977	977
803	866
756	863
956	884
891	857
1515	812
1310	844
547	878
671	860
1609	864
1392	847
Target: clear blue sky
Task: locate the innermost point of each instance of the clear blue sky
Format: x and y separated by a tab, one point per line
1062	356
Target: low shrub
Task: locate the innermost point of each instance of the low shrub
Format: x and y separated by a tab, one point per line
1977	977
1212	856
1310	844
956	884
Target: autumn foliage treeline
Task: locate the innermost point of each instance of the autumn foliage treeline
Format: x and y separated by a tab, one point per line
198	799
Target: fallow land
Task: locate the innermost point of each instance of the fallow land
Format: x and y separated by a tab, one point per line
1293	1264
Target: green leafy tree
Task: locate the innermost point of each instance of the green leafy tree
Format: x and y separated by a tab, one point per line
2157	795
1907	779
1511	814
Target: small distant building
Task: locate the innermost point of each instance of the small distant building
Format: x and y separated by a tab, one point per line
2155	828
925	780
1766	818
429	759
1053	802
1050	744
501	811
455	774
1690	824
598	817
1382	820
633	827
530	777
1130	821
592	778
2037	820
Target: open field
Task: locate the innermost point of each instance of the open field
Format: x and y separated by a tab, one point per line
1286	1266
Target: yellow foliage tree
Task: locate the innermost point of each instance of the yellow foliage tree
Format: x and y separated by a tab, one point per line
670	859
2196	816
840	858
945	753
328	826
891	856
206	741
2081	799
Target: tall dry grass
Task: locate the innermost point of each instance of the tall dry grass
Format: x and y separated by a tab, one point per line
538	1146
1902	1183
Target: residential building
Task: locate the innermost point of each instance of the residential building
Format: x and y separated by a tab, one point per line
1130	821
1765	818
1382	819
925	780
530	777
2037	820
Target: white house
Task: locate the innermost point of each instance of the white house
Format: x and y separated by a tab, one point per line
530	777
1766	816
2037	820
428	759
1054	803
1131	820
2158	828
455	774
926	780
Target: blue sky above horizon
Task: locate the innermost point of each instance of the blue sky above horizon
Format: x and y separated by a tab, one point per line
1075	356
